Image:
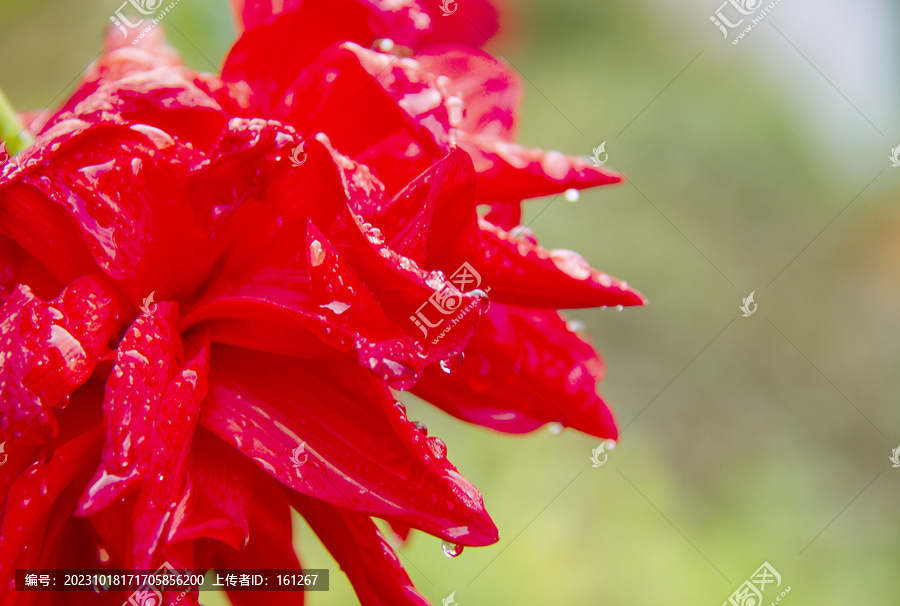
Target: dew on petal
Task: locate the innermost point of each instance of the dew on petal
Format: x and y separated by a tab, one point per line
451	550
421	427
437	448
576	326
316	254
450	364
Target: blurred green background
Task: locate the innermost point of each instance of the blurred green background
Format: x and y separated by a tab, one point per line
758	167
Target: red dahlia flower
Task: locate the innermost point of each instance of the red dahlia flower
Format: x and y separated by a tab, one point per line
205	278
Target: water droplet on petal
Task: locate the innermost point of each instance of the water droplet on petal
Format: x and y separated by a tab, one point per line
102	555
452	363
437	447
555	428
610	445
620	307
576	326
385	45
316	254
451	550
375	236
400	406
482	295
421	427
572	195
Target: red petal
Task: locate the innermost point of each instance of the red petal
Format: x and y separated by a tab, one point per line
49	350
119	188
523	369
492	91
151	409
32	497
513	270
363	553
520	272
509	172
380	110
269	56
270	546
267	406
219	493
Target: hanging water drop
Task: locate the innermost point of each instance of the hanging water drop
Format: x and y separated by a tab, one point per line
555	428
451	550
576	326
421	427
620	307
610	445
572	195
452	363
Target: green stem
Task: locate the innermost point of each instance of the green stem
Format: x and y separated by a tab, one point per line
11	129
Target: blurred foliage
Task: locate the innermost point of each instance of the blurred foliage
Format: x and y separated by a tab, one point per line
744	439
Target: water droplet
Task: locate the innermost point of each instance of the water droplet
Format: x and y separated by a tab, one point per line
386	44
451	550
555	428
375	236
102	555
482	295
437	447
572	195
610	445
620	307
400	406
316	254
453	362
421	427
576	326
